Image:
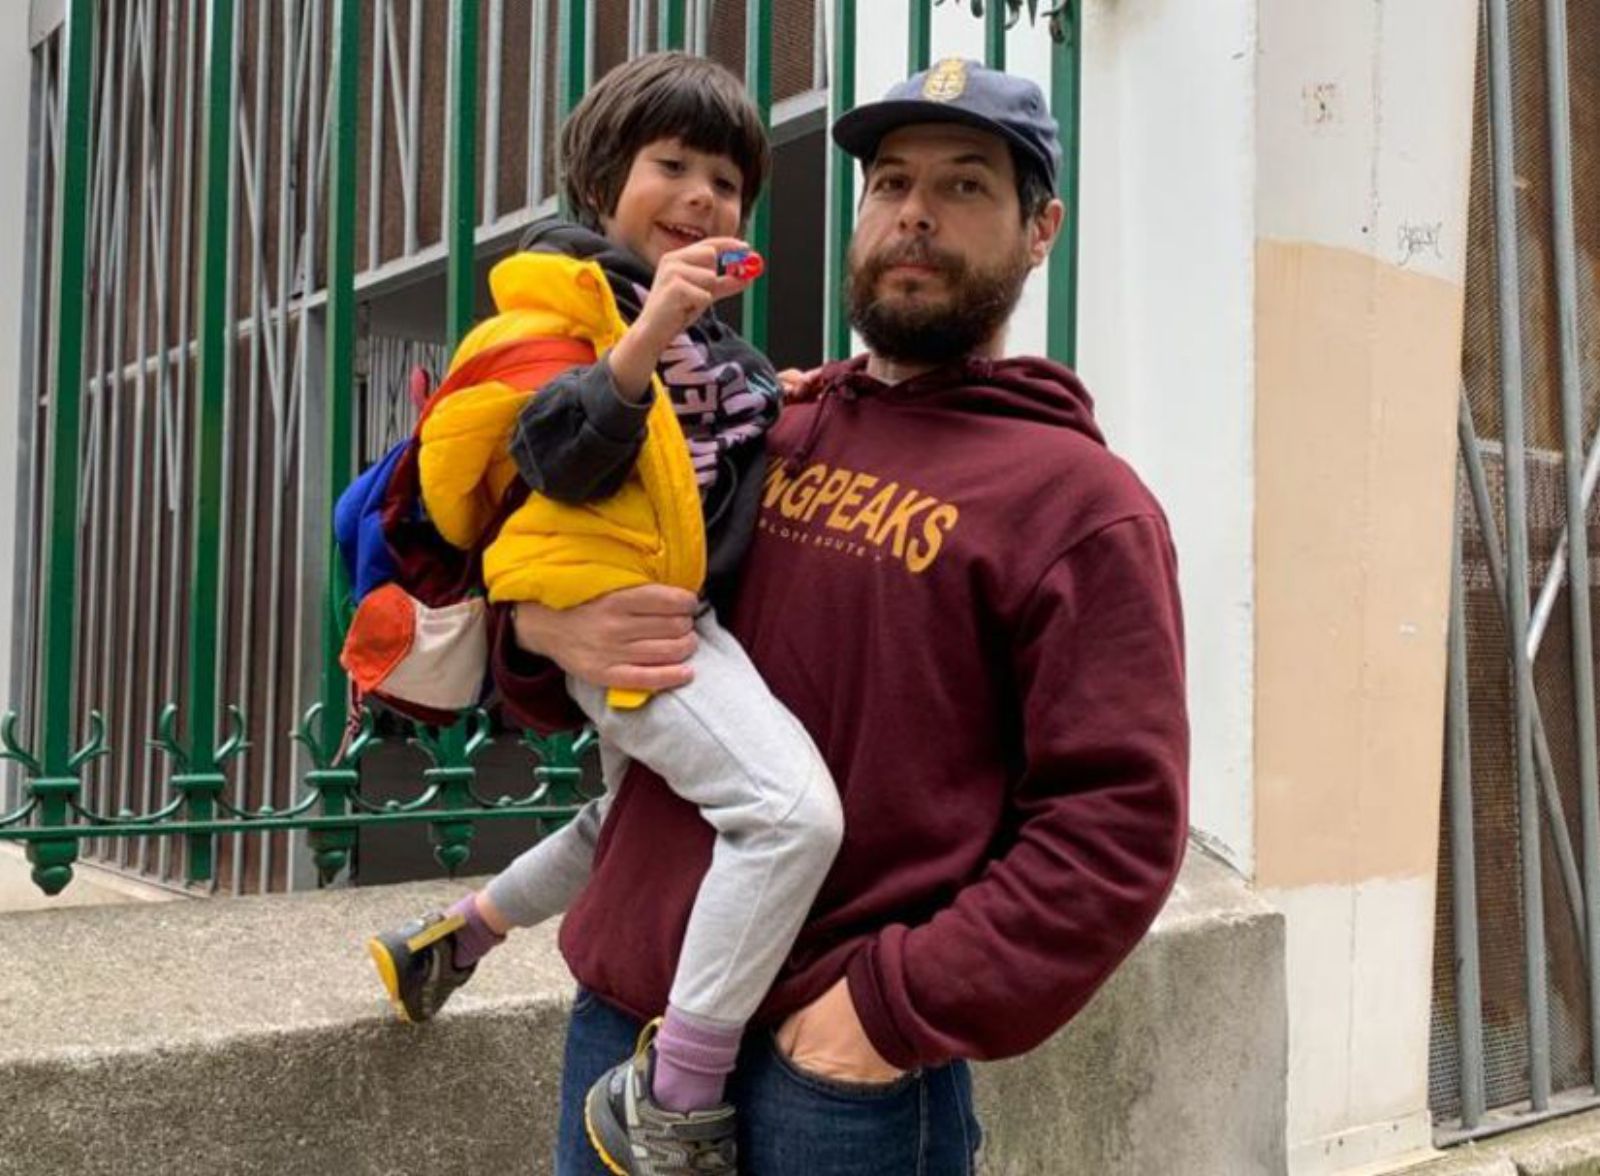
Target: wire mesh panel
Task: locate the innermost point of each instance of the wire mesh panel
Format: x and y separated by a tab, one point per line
1499	952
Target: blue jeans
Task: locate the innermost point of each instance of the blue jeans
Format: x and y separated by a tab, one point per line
790	1123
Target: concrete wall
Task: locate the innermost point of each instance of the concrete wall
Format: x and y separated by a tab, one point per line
1165	312
1364	134
188	1050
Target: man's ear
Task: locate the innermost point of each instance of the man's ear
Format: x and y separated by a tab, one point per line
1043	231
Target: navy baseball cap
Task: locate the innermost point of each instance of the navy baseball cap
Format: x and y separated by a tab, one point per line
959	91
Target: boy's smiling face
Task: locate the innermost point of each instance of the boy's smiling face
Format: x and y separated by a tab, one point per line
673	197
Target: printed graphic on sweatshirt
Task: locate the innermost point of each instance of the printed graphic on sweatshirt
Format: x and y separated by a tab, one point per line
856	514
718	405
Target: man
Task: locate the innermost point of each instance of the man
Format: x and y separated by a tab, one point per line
972	607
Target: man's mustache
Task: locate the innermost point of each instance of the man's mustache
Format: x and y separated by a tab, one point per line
915	253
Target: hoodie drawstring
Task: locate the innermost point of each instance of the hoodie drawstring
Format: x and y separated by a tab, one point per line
838	391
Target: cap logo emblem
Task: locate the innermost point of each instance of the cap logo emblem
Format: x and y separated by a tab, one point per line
947	81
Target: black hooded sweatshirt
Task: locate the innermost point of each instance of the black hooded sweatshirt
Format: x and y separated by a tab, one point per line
578	439
972	606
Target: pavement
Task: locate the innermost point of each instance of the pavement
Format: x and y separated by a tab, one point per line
90	886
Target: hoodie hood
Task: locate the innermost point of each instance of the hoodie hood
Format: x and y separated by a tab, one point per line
1026	387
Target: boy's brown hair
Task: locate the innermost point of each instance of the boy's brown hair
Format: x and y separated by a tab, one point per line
658	96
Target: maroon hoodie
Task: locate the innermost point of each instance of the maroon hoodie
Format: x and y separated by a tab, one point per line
973	608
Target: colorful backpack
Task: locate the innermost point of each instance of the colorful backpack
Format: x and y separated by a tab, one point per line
418	641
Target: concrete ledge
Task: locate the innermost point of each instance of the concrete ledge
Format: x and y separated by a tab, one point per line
91	886
1568	1146
248	1036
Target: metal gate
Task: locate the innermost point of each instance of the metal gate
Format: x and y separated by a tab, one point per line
228	198
1515	1014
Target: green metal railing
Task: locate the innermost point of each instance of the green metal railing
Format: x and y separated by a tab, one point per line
205	732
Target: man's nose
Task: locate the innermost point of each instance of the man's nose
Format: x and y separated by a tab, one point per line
915	214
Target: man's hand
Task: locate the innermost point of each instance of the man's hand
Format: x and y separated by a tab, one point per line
635	638
826	1039
797	386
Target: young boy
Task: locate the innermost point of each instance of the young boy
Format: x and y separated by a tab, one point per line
663	160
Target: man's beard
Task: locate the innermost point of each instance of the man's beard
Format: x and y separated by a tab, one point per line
976	304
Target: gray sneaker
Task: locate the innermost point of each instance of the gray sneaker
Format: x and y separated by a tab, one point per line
417	965
635	1137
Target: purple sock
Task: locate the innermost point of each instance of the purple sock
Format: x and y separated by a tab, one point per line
693	1061
475	940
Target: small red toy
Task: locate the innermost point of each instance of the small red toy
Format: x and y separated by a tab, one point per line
745	264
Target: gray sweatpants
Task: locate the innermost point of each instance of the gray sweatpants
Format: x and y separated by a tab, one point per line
726	745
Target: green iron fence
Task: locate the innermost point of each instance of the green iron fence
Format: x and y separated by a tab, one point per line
227	385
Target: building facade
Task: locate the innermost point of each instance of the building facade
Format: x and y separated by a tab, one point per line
1319	245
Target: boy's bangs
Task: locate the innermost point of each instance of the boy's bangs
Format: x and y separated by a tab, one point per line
703	119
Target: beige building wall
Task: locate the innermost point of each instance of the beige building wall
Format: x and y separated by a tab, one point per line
1364	132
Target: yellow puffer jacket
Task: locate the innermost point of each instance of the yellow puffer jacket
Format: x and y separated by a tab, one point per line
652	531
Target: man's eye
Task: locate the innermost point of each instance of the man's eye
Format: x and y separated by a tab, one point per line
887	184
969	187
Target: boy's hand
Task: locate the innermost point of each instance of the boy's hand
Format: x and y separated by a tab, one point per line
686	284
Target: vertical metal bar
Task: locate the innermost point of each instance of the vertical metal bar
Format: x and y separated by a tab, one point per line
819	44
41	98
1066	101
461	165
1463	854
312	546
59	584
238	163
165	433
254	154
339	383
150	257
572	78
572	75
491	106
375	150
100	234
187	382
108	518
841	187
994	35
283	416
215	339
1510	305
56	786
635	27
919	49
536	100
1566	251
671	17
758	79
412	158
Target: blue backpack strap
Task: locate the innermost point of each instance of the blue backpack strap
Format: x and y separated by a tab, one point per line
358	525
